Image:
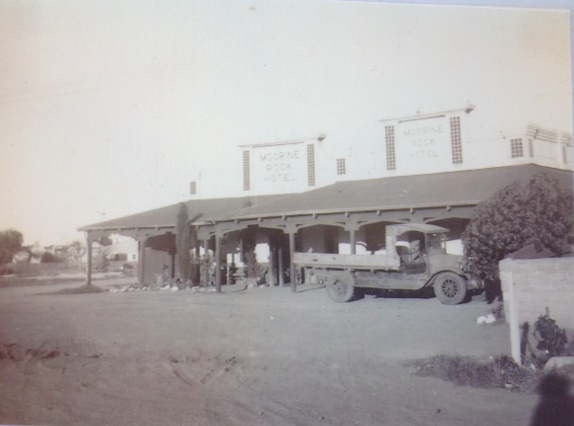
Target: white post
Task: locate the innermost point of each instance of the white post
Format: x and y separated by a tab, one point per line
292	266
509	288
217	263
89	254
141	261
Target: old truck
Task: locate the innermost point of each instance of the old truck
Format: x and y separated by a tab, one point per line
414	258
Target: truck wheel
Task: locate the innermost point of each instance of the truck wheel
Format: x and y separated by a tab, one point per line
340	287
450	288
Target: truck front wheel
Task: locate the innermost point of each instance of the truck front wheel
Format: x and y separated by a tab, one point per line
449	288
340	286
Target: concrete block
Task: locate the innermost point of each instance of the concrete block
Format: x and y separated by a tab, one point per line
558	361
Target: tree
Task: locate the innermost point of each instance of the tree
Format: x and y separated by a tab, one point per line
183	243
538	214
106	242
76	251
48	257
10	244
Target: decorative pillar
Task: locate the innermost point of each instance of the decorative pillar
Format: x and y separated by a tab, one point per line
206	262
217	263
352	241
141	262
196	276
280	264
292	274
352	227
89	271
272	263
173	266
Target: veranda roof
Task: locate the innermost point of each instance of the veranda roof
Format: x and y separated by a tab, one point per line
459	188
198	210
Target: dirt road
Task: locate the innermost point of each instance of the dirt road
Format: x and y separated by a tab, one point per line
262	356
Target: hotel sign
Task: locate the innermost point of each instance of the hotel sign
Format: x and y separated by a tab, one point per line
424	144
279	168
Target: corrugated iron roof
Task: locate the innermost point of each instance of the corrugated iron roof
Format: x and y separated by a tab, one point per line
167	216
458	188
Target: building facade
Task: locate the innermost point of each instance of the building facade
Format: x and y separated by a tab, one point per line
420	144
306	194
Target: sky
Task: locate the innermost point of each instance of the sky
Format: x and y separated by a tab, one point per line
109	108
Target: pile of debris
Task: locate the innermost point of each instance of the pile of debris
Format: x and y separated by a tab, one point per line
162	283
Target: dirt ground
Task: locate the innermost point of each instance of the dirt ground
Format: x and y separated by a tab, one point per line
256	356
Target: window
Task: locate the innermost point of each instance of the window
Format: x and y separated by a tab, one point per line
530	148
516	150
311	165
341	169
455	140
390	147
193	188
246	172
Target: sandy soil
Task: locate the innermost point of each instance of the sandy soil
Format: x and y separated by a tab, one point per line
260	356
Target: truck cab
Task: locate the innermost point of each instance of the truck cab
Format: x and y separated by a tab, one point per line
421	248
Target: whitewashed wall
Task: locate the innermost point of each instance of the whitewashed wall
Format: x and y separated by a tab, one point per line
530	286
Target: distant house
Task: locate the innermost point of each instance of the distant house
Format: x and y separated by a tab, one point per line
123	249
24	256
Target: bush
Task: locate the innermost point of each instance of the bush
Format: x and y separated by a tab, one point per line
48	257
6	270
551	339
10	243
500	372
85	289
537	214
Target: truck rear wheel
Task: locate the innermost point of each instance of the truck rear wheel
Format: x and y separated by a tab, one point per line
340	286
450	288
